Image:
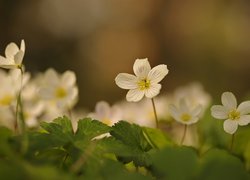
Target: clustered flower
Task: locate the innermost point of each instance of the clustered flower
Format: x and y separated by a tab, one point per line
50	94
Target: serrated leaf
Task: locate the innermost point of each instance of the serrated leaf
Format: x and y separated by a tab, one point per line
88	128
131	135
65	123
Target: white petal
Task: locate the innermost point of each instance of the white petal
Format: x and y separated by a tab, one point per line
11	50
219	112
135	95
228	99
141	68
197	111
230	126
153	91
173	110
19	57
244	107
68	78
22	48
102	110
192	121
51	77
183	106
157	73
126	81
244	120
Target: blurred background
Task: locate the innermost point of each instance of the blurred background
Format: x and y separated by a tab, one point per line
206	41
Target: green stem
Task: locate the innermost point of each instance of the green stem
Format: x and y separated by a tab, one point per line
155	114
232	142
184	134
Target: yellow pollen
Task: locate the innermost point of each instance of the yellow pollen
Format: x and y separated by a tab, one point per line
185	117
60	92
234	115
6	100
144	84
107	121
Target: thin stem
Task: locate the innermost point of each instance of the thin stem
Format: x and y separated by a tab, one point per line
156	118
184	134
232	142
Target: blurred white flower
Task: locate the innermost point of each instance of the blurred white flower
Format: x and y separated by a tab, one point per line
60	89
234	115
33	106
106	114
144	82
13	56
184	113
194	94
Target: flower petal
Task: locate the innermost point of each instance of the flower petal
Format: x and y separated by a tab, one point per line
244	107
68	78
11	50
219	112
141	68
230	126
19	57
244	120
126	81
183	106
153	91
173	110
135	95
102	110
157	73
22	48
229	100
197	111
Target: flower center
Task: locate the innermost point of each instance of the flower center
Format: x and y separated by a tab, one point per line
107	121
144	84
60	92
234	115
6	100
185	117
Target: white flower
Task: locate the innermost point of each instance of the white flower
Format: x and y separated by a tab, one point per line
234	115
144	82
60	89
13	56
184	113
106	114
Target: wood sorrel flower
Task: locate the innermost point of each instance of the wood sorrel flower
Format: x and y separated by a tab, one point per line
234	115
185	114
13	56
144	82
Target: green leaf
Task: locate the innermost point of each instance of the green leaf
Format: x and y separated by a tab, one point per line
175	163
157	138
132	136
219	164
88	128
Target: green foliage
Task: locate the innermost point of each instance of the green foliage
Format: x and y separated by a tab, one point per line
123	151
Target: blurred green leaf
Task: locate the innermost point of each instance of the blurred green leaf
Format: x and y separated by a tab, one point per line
175	163
219	164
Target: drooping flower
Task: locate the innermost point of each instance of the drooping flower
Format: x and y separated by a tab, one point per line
106	114
144	82
185	114
234	115
60	89
13	56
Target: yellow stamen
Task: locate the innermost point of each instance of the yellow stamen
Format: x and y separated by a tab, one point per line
234	115
6	100
60	92
185	117
144	84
